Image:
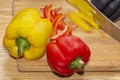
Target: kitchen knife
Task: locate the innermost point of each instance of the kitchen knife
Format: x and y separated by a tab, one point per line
108	7
107	25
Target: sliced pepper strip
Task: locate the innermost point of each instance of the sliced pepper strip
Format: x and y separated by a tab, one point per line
61	25
58	18
69	30
47	11
57	10
59	34
53	15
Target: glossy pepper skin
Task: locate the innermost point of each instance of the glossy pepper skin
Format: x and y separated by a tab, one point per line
27	34
67	54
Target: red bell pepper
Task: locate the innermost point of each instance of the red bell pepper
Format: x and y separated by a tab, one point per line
67	53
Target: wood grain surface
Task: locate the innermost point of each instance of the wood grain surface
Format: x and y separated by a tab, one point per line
104	47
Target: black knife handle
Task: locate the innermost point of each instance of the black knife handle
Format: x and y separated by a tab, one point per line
101	4
115	15
111	8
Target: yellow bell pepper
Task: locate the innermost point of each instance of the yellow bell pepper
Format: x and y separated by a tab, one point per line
27	34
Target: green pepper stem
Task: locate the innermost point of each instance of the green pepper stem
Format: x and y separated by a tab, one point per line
77	63
22	45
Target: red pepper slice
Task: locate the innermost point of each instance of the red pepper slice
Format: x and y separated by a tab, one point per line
47	11
61	25
58	18
69	30
54	16
57	10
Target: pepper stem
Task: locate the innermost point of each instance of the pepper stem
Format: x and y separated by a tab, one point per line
77	63
22	45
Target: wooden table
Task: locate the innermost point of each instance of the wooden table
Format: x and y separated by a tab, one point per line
8	70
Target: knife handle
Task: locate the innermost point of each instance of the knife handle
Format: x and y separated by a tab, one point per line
111	8
115	15
101	4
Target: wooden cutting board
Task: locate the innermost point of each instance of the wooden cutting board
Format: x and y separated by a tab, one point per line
105	50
